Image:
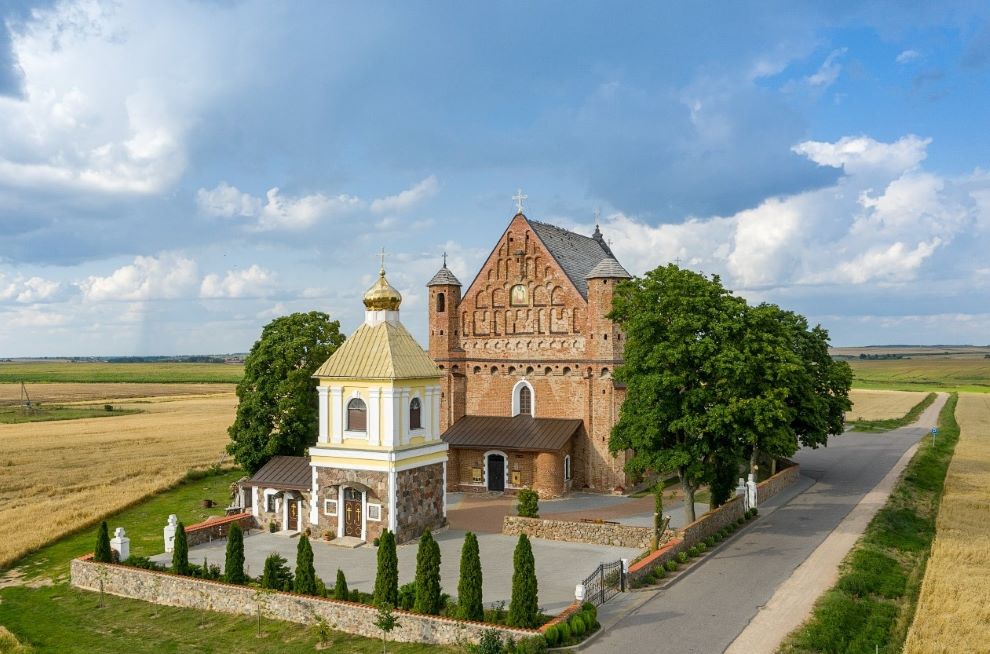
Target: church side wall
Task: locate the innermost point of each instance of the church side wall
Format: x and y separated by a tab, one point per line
419	501
328	479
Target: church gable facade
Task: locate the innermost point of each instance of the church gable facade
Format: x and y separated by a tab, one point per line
526	355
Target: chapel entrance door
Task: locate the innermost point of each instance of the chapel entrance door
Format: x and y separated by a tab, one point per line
496	472
293	522
352	512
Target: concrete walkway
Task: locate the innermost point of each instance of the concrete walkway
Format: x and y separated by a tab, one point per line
559	566
710	605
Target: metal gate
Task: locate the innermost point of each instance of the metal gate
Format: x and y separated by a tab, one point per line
608	580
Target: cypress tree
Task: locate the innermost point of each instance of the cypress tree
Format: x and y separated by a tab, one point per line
657	514
469	586
524	606
305	581
276	575
180	553
387	578
340	588
427	576
233	566
102	553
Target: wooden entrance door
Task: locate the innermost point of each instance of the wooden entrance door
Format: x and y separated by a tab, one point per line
352	512
293	523
496	472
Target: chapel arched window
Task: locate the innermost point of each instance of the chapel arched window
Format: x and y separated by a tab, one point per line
415	412
357	415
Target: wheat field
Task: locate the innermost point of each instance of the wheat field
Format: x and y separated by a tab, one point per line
954	608
881	405
56	477
64	393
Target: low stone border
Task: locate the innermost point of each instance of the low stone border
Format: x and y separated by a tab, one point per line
218	527
784	478
350	617
594	533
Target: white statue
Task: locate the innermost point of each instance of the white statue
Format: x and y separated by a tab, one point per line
121	544
169	530
751	492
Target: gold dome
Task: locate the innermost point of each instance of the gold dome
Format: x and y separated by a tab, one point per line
382	296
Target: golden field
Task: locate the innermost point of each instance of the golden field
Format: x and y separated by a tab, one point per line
63	393
881	405
954	607
56	477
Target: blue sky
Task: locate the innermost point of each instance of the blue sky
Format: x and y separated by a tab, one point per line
173	175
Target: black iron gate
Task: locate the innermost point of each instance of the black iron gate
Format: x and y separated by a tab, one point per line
604	583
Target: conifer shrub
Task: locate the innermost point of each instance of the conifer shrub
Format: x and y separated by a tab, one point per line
305	578
529	504
180	553
387	577
565	632
407	596
577	625
102	553
469	597
428	594
233	566
524	605
340	587
276	574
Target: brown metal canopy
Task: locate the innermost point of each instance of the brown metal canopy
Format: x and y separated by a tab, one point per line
291	472
517	433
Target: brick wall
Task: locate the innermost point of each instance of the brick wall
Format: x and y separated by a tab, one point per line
174	590
579	532
219	527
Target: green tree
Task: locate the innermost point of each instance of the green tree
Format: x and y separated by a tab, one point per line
305	579
722	480
340	587
233	567
428	576
180	551
658	522
528	505
387	577
102	553
524	606
277	411
386	621
681	333
469	604
276	575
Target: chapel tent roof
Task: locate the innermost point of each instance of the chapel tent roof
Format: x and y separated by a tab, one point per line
383	351
608	268
444	278
290	472
517	433
577	255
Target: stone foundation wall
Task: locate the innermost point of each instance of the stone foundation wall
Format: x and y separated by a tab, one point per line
712	521
784	478
377	493
578	532
419	498
214	528
349	617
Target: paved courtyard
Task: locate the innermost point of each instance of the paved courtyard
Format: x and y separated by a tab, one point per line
559	566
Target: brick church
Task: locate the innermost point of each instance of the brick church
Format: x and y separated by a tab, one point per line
526	355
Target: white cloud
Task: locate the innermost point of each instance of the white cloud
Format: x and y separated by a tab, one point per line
33	317
282	212
894	262
907	56
251	282
829	71
857	154
407	198
227	201
166	276
30	290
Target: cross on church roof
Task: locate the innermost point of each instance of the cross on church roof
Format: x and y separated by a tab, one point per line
382	255
519	197
444	258
598	216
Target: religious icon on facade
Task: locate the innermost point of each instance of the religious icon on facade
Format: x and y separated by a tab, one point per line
519	296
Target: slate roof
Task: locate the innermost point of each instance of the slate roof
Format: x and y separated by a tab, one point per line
517	433
577	255
291	472
608	268
383	351
444	278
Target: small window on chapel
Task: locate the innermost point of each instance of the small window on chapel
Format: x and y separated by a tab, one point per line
441	303
357	415
525	401
415	421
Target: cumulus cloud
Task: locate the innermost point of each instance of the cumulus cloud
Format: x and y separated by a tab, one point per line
295	213
857	154
251	282
407	198
30	290
226	201
828	72
907	56
166	276
34	317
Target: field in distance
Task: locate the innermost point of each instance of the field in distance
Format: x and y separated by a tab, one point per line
15	372
881	405
937	368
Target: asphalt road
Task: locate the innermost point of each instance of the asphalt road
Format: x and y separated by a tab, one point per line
705	610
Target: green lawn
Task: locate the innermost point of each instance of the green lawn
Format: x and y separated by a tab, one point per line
59	618
872	605
16	415
88	373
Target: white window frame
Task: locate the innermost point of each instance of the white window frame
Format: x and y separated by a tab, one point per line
515	397
374	512
363	435
326	507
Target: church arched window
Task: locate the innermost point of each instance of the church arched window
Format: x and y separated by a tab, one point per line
525	401
357	415
415	421
441	303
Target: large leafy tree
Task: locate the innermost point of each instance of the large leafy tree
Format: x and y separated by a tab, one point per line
277	411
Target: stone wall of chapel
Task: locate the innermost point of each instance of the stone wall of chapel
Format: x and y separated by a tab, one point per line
419	501
328	479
